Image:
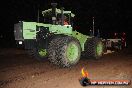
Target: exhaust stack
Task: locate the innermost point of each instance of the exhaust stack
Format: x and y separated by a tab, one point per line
54	12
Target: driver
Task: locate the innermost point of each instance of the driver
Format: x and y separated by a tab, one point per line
65	21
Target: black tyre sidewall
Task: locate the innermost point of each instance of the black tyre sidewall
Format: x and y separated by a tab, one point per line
90	49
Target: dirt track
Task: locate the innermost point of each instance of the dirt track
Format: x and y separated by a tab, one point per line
18	70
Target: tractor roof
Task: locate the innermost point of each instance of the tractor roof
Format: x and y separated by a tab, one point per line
58	11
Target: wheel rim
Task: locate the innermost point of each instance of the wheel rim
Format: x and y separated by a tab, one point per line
72	52
42	52
99	49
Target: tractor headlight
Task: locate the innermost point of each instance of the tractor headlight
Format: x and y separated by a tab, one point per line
20	42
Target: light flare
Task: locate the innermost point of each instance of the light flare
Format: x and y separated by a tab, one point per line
84	73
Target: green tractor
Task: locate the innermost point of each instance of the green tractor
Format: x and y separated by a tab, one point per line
55	40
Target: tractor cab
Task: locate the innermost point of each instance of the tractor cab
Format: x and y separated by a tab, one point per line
57	16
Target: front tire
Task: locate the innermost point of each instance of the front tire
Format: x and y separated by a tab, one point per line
39	54
64	51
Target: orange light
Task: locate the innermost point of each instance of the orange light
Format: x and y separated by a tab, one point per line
84	73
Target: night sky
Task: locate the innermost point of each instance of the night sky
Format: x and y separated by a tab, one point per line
110	15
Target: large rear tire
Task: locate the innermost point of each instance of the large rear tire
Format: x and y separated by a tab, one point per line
94	48
64	51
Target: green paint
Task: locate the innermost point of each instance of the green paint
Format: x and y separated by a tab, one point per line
29	30
72	52
99	49
82	38
59	29
42	52
58	11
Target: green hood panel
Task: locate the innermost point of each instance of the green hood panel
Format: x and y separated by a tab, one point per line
29	29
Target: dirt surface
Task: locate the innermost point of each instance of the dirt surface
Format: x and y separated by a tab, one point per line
18	70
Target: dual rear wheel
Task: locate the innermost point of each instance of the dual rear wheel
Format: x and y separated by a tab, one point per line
66	51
